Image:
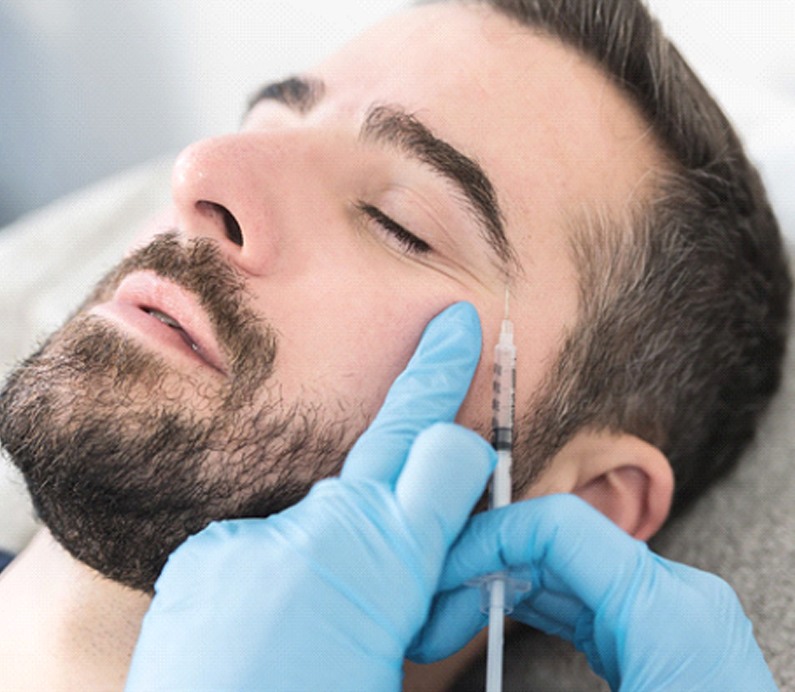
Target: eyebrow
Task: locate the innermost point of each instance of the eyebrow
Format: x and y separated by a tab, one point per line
300	94
393	126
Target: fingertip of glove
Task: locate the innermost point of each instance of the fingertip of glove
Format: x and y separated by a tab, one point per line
464	312
458	443
461	317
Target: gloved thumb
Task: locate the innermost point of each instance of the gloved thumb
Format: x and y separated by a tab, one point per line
430	390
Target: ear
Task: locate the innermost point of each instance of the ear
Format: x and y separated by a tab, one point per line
627	479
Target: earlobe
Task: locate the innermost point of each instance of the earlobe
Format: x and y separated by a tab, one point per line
627	479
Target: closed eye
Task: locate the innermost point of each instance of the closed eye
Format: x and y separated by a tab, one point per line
410	243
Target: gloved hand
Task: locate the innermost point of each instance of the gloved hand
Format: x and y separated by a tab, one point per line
327	594
644	623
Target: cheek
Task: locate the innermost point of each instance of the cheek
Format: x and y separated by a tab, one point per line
475	412
347	347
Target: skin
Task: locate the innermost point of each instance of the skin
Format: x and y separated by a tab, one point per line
328	280
348	302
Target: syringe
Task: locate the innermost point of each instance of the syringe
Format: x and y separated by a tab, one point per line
504	386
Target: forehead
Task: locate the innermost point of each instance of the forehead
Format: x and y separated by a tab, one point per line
548	127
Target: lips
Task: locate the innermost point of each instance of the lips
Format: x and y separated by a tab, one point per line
169	321
148	302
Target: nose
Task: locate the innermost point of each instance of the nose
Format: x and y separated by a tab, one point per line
240	190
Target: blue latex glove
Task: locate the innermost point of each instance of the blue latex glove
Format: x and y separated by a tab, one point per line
328	594
644	623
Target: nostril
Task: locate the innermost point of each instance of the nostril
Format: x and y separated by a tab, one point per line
233	231
231	226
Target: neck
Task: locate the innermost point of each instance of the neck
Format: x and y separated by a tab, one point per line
66	628
63	625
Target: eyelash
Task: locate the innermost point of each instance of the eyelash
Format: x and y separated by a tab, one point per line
411	243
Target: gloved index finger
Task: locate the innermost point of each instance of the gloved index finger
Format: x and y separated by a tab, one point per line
430	390
561	536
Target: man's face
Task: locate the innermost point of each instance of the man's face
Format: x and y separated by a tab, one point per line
348	297
433	160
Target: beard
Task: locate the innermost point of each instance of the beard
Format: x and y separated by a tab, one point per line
125	456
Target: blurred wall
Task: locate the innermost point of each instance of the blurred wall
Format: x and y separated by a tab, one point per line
80	94
88	87
744	51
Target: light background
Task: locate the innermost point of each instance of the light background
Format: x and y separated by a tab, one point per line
90	87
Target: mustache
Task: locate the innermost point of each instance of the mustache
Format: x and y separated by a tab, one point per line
199	267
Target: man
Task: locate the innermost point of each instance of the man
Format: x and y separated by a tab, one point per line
227	365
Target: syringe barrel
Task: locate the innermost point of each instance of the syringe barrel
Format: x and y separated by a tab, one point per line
504	384
502	415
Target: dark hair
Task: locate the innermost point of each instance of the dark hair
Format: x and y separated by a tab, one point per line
684	303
